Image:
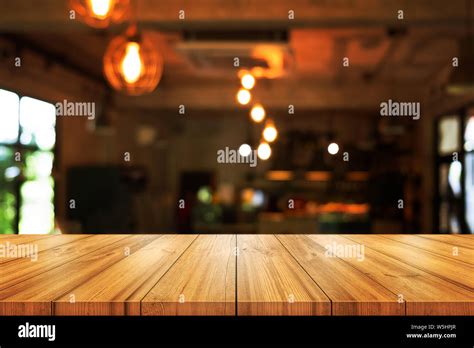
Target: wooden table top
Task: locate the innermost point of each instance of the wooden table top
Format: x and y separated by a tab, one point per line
237	275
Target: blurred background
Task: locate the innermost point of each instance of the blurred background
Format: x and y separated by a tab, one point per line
174	82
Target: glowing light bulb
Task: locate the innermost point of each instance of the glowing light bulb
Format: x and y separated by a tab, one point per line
270	133
100	8
264	151
248	81
132	64
245	150
257	113
243	96
333	148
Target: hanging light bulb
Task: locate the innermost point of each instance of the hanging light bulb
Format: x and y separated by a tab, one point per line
264	151
100	8
132	64
248	81
257	113
333	148
243	96
245	150
270	132
101	13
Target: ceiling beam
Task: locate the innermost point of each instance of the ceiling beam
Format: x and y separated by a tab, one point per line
278	94
39	77
22	15
21	42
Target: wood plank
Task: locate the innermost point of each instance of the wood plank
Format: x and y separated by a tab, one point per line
40	243
272	275
202	282
271	282
25	238
350	290
443	267
453	239
119	289
423	293
459	252
35	295
21	269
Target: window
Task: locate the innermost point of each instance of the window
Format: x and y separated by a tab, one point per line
469	179
469	174
455	173
448	129
27	140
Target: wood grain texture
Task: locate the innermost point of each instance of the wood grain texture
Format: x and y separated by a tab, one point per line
119	289
264	275
350	290
38	242
424	292
202	282
23	268
23	238
271	282
34	296
443	267
458	252
11	240
466	241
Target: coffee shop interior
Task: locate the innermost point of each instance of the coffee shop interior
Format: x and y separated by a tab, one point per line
236	116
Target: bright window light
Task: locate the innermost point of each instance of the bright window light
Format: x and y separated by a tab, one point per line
37	121
9	104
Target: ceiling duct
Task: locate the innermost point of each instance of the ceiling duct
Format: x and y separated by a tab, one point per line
266	53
